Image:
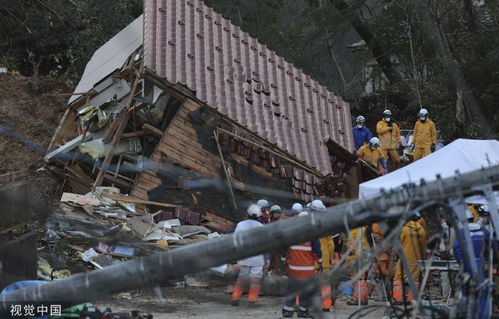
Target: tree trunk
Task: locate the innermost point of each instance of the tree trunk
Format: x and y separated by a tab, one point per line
377	51
455	74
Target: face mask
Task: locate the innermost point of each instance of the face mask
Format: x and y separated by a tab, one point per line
387	119
422	118
360	125
373	147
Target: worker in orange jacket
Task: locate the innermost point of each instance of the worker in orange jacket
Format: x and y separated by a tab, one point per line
300	260
327	250
389	137
373	155
425	136
358	237
413	241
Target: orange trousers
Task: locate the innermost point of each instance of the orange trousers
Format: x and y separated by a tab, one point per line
254	275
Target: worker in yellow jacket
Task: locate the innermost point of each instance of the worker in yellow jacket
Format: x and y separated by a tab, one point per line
389	137
425	136
327	249
357	237
373	155
413	241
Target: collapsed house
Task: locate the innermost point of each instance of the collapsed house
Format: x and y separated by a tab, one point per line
182	107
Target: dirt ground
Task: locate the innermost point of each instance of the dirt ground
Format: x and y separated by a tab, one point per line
213	303
29	114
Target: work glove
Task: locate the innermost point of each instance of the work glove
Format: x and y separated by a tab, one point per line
433	147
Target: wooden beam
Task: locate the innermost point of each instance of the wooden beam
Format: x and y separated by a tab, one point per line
130	199
148	128
227	175
133	134
125	115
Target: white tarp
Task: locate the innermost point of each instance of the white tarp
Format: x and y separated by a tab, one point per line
111	56
462	154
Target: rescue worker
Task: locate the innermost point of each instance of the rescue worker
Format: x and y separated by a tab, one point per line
383	262
264	206
480	241
389	137
361	134
373	155
327	250
296	209
358	237
251	267
424	136
275	213
300	260
276	265
413	241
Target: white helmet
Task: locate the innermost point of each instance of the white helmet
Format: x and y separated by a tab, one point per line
374	141
317	205
387	113
304	213
262	203
469	215
254	210
360	119
297	208
423	112
275	208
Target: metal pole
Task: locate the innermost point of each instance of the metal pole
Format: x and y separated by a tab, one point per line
148	271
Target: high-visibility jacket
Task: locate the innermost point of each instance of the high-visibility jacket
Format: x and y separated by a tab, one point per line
301	259
413	240
327	250
388	139
352	241
371	156
425	133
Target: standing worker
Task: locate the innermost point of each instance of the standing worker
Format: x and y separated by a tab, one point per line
251	267
373	155
425	136
480	243
357	239
361	134
264	207
413	241
300	260
389	137
327	250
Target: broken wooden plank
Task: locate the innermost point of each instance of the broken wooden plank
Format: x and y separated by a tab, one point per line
117	181
129	199
148	128
79	199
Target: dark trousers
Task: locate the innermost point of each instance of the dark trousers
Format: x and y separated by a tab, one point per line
305	289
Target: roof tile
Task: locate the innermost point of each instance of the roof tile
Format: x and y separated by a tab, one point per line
188	43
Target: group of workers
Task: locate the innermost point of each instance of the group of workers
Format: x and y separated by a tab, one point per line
307	264
376	150
301	262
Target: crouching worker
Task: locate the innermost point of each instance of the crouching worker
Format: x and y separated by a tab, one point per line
302	282
252	267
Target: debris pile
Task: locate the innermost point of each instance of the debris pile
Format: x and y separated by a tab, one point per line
105	227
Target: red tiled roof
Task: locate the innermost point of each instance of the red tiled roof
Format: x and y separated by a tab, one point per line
188	43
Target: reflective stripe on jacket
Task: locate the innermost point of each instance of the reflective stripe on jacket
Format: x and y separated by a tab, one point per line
301	259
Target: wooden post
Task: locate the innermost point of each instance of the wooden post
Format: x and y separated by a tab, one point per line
120	128
226	171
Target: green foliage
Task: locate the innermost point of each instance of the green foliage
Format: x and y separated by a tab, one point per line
57	37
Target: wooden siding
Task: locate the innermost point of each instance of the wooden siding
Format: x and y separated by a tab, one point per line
181	145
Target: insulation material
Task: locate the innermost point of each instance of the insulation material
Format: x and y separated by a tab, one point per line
97	148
